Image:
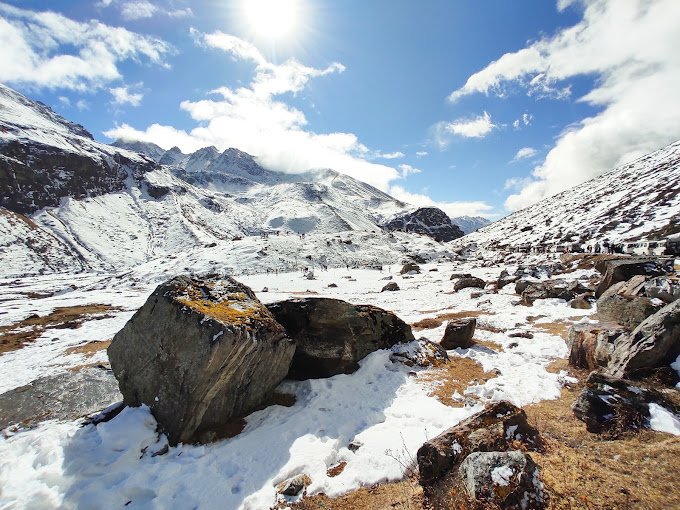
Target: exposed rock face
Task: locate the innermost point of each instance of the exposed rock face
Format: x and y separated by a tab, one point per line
493	429
551	289
390	287
458	334
464	283
655	343
626	304
332	336
506	479
505	279
613	405
591	345
621	270
426	220
64	396
201	351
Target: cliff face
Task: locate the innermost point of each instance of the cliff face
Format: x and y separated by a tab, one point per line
430	221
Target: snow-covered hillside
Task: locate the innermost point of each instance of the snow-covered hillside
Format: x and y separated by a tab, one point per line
469	224
637	200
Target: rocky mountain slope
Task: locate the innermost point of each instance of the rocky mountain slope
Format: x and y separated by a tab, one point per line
469	224
70	203
635	201
426	220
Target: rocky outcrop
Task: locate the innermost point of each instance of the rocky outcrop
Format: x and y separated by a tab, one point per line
655	343
472	282
626	303
591	345
200	352
430	221
503	479
332	336
551	289
495	428
612	405
458	334
621	270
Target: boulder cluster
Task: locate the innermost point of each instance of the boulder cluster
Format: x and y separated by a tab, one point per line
203	350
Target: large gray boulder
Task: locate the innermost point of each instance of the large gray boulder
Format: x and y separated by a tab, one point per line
332	336
200	352
655	343
626	303
621	270
591	345
504	480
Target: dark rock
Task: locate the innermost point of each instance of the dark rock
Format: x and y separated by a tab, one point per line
458	334
430	221
655	343
294	486
503	479
456	276
422	353
332	336
200	352
505	279
551	289
392	286
581	303
625	303
521	334
621	270
496	428
332	285
591	345
613	405
65	396
409	267
521	285
464	283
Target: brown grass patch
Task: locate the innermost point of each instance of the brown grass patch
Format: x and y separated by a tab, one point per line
555	328
89	348
435	322
455	376
334	471
17	335
586	471
489	345
406	494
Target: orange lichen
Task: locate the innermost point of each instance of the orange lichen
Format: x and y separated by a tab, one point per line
227	311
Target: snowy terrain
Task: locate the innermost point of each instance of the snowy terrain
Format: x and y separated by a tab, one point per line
637	200
469	224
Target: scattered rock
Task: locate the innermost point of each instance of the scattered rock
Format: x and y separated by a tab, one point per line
521	334
581	303
265	289
521	285
391	287
591	345
332	336
506	479
456	276
551	289
200	352
410	267
355	445
655	343
621	270
422	353
458	334
294	486
505	279
625	304
464	283
332	285
496	428
613	405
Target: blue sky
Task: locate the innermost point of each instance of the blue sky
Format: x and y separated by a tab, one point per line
478	107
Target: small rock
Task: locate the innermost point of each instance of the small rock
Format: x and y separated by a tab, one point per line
410	267
294	486
464	283
521	334
456	276
458	334
332	285
422	353
580	303
392	286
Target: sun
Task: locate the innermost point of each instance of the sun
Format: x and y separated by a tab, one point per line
272	19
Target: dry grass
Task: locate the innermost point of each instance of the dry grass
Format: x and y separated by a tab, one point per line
555	328
586	471
89	348
334	471
435	322
406	494
15	336
455	376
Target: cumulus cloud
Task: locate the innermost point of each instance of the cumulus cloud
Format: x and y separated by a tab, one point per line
390	155
524	120
525	153
123	95
453	209
630	49
421	154
407	170
476	127
49	50
138	9
256	119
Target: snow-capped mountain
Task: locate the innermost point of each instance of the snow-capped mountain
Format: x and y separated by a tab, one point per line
634	201
70	203
426	220
469	224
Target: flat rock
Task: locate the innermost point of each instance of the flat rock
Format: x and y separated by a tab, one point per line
621	270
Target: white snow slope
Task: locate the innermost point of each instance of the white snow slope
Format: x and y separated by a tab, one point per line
637	200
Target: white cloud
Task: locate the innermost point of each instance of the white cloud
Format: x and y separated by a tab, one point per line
390	155
477	127
64	101
524	120
256	119
138	9
181	13
123	95
630	49
407	170
421	154
81	104
525	153
453	209
49	50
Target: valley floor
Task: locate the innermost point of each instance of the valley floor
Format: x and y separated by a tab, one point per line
352	435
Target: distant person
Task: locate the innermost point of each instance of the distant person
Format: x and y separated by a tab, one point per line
597	247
